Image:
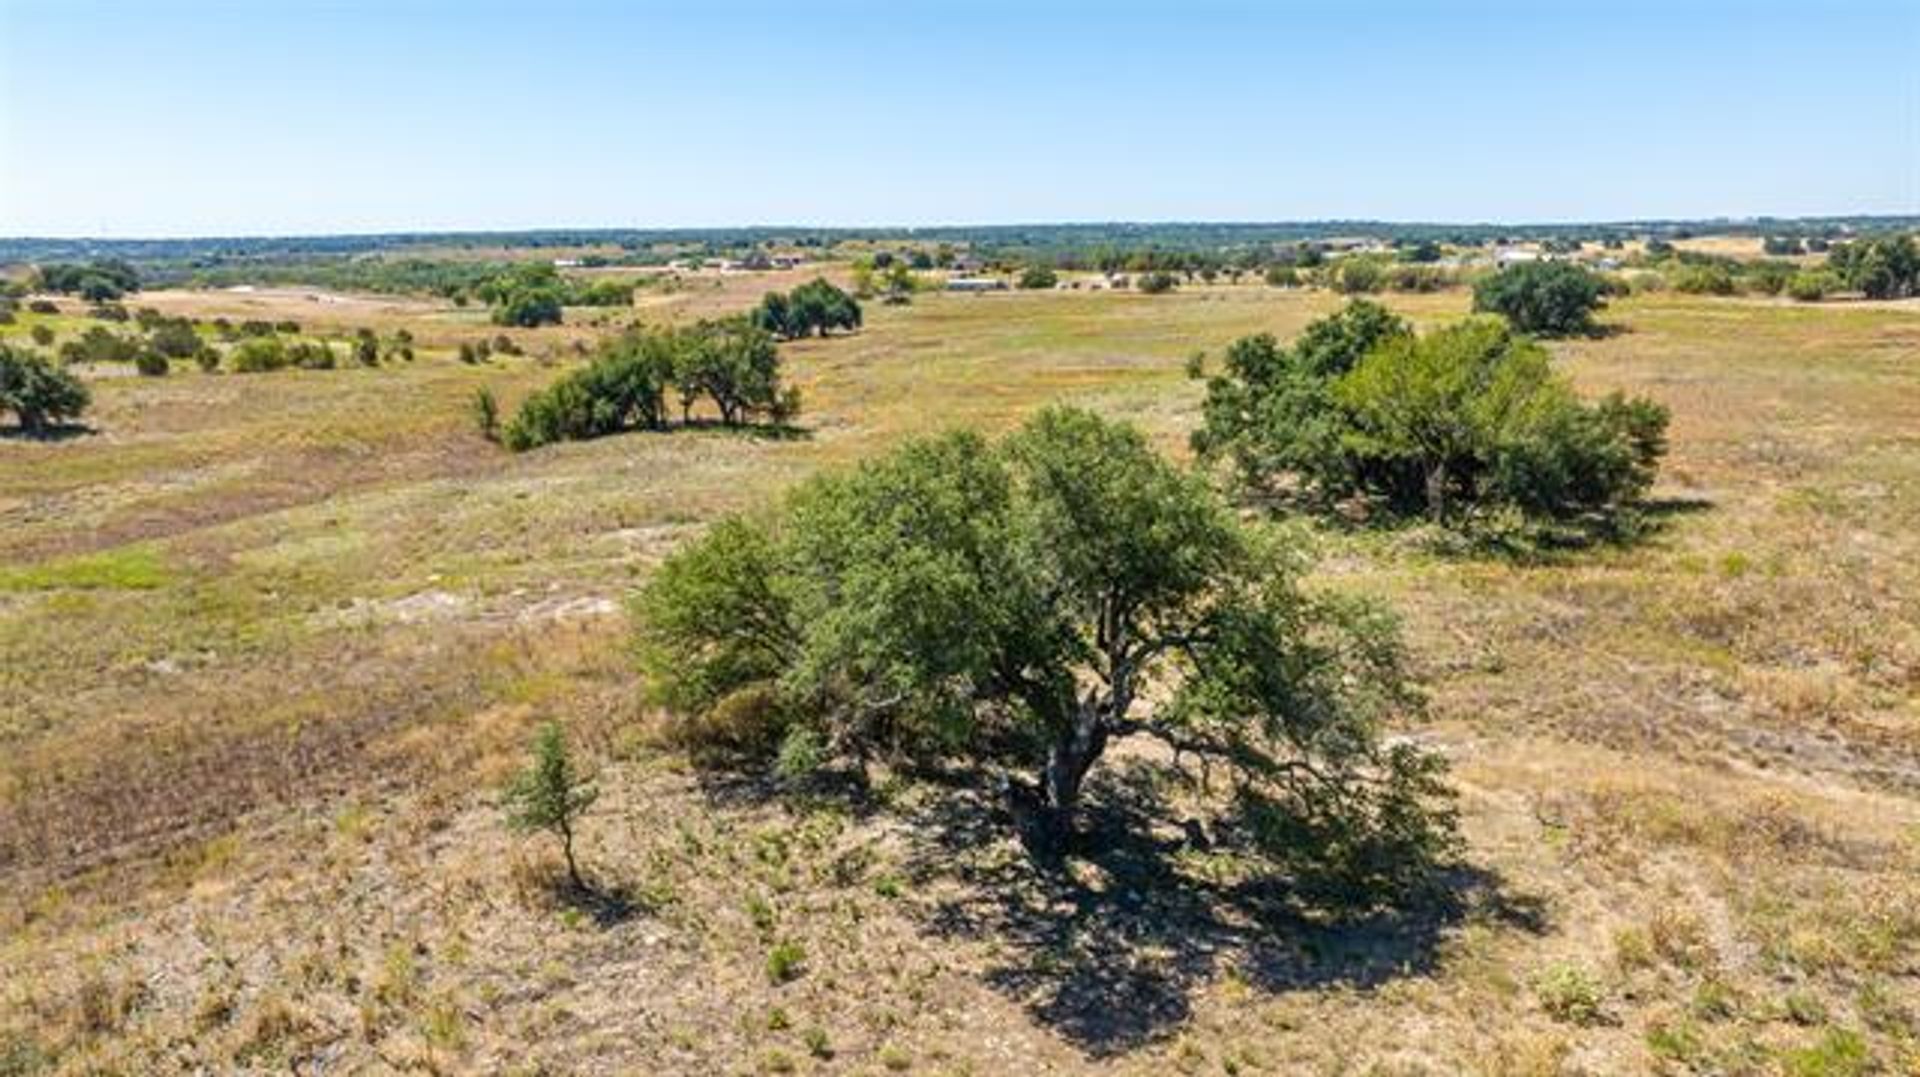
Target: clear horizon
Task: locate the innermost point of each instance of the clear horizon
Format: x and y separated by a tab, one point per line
180	120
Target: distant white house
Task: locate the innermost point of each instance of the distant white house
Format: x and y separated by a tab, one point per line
976	284
566	263
1514	256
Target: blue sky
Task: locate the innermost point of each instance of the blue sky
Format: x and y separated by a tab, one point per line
159	118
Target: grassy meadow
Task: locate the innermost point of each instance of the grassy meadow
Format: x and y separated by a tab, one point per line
269	644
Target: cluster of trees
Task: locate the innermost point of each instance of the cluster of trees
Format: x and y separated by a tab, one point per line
732	363
253	346
98	281
1551	299
1365	274
1885	267
39	393
472	352
532	294
1467	416
1020	608
814	307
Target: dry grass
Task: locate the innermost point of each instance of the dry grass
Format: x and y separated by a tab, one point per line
267	641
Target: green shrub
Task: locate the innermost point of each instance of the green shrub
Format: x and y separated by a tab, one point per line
1038	277
1156	282
486	413
151	363
1570	994
257	355
99	345
1549	299
1812	285
1360	275
174	339
1698	279
785	962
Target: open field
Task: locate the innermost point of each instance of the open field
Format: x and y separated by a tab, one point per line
268	643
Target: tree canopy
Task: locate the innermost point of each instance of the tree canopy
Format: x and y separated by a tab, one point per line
1549	299
39	393
732	363
1468	415
1884	267
98	281
1019	607
817	306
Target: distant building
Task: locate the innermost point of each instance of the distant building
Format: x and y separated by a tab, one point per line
566	263
1514	256
976	284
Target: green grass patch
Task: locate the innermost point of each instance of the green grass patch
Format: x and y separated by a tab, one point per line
133	568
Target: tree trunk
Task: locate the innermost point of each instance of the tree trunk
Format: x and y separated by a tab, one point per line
573	867
1437	492
1068	761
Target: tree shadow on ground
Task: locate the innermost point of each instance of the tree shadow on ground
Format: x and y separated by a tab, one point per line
55	432
1110	949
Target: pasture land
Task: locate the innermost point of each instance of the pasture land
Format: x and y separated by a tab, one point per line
269	643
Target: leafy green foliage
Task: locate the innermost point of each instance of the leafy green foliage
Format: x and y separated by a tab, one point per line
96	282
39	393
99	345
1038	276
175	339
1885	267
550	795
731	363
1470	414
814	307
1156	282
1021	606
1549	299
1812	285
1272	411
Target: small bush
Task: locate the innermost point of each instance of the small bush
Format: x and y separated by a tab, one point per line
44	306
1157	282
151	363
486	414
1702	280
1811	286
1037	277
258	355
1570	994
785	962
